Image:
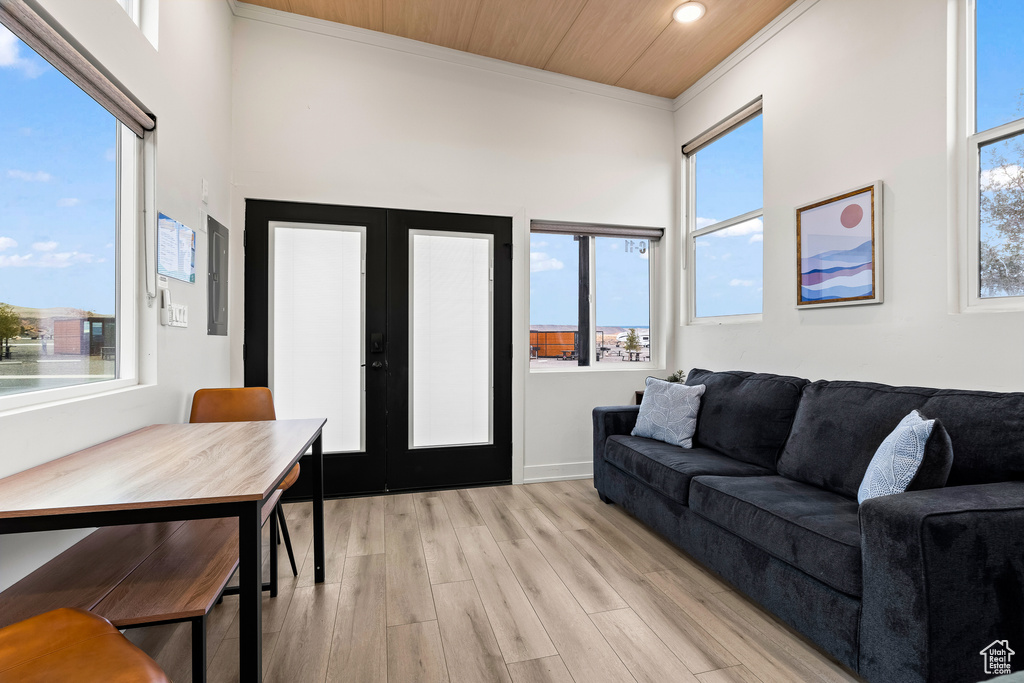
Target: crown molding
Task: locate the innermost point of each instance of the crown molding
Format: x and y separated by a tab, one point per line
774	27
444	54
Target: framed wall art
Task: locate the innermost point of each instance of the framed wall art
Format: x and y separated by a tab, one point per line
839	249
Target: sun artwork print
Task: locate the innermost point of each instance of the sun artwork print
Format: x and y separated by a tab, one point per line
838	250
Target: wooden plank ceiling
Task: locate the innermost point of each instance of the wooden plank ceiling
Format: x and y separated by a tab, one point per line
633	44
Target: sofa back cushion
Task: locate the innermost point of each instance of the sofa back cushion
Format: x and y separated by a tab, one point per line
839	426
986	430
744	415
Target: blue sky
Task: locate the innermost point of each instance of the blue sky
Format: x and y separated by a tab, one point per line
622	276
1000	62
57	187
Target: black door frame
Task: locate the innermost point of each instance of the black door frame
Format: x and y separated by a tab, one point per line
387	313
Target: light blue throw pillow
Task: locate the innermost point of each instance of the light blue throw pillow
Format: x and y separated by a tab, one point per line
898	458
668	412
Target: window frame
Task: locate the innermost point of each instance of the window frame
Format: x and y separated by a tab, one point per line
689	174
656	360
131	156
969	145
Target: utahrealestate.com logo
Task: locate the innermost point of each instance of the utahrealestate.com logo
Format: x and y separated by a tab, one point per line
997	657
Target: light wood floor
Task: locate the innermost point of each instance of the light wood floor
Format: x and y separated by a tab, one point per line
540	583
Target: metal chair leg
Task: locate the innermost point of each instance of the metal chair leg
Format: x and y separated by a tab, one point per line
287	539
273	555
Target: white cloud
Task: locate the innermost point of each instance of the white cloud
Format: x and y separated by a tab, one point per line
705	222
108	245
65	259
1001	176
29	176
540	261
10	56
47	260
14	261
110	154
538	245
703	243
751	227
44	246
741	283
758	237
7	243
67	202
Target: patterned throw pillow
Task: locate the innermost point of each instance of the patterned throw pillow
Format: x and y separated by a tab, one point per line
898	459
668	412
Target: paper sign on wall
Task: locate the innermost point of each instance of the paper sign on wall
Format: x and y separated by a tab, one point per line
176	245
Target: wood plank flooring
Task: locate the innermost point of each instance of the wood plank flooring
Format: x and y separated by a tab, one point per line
528	584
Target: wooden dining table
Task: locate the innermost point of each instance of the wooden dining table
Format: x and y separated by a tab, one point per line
173	472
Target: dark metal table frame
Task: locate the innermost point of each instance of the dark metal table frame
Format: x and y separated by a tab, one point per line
250	541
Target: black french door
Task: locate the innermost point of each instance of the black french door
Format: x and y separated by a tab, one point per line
397	327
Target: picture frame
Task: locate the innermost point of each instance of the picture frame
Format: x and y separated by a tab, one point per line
839	256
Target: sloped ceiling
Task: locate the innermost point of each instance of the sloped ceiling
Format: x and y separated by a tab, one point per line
633	44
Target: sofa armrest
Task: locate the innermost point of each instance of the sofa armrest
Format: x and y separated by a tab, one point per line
943	579
609	421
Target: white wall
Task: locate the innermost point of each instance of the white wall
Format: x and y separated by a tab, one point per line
187	84
855	92
318	118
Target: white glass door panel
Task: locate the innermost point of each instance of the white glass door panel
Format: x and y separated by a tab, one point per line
317	329
450	339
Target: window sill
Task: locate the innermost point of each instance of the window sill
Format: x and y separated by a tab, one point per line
47	398
726	320
1007	304
631	367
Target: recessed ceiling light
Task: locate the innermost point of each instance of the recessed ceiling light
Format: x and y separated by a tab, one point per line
689	11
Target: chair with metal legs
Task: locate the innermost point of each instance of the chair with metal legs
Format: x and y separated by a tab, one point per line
249	404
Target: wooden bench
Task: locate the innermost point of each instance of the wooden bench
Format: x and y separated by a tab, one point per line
142	575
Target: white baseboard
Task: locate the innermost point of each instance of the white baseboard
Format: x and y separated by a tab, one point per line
559	472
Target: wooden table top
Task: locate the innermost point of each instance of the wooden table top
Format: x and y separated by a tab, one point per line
163	466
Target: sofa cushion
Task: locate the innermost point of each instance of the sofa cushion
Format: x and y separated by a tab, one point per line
813	530
916	455
839	426
744	415
668	412
669	469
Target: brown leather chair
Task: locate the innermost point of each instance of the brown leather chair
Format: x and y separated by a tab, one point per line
251	404
72	645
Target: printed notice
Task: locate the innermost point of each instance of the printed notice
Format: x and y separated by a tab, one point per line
176	245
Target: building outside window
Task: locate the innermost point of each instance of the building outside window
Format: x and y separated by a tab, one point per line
995	113
724	213
590	295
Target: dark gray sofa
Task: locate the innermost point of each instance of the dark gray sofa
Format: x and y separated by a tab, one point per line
903	588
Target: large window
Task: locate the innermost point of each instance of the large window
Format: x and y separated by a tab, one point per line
67	273
590	296
724	215
996	149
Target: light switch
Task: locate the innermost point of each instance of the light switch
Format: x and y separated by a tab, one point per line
206	191
178	315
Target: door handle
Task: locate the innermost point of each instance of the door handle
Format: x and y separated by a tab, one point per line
376	365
